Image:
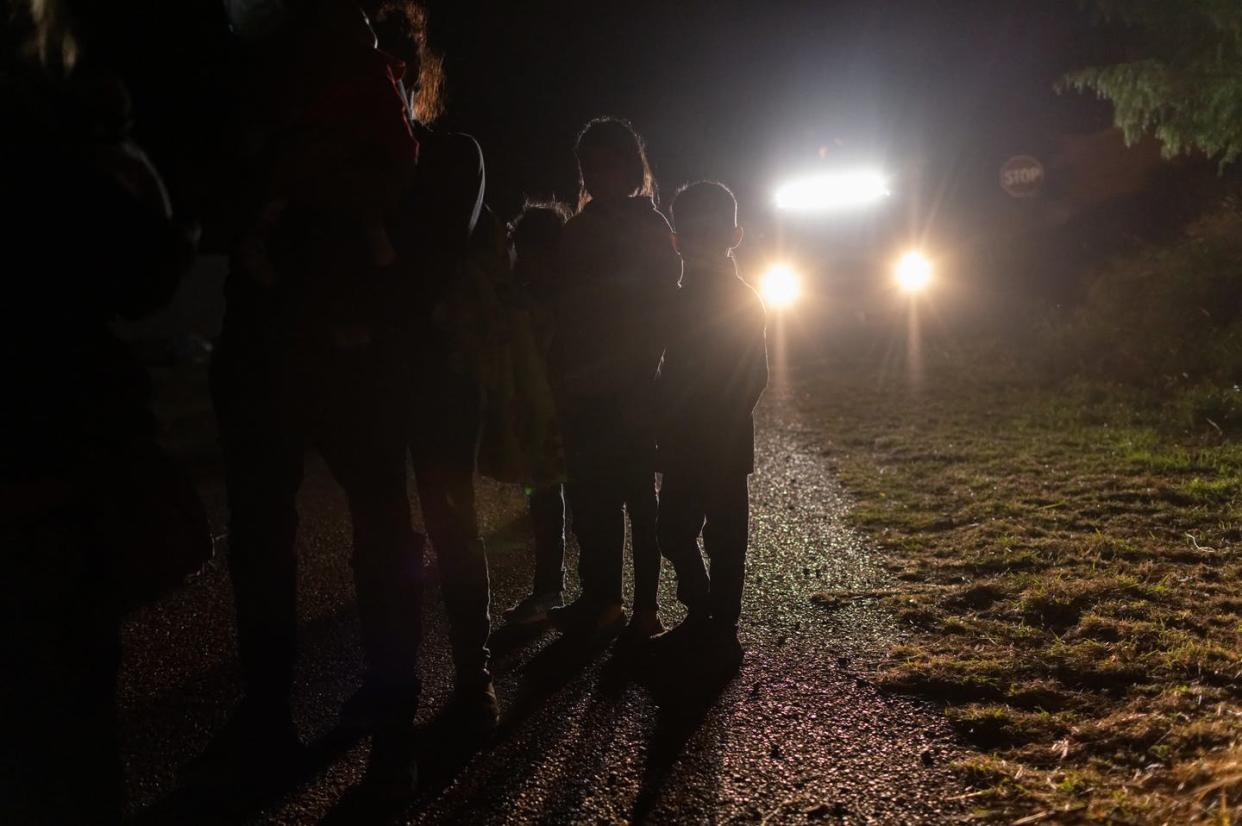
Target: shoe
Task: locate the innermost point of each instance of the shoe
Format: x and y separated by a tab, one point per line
536	608
685	637
379	703
474	704
258	744
724	647
392	769
643	626
587	617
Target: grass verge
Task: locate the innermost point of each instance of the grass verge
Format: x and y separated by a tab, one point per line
1070	572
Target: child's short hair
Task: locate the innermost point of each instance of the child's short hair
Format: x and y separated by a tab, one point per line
705	210
538	224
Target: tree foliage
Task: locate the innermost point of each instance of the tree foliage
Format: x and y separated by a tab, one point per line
1181	80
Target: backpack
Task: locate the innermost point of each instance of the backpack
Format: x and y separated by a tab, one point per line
520	440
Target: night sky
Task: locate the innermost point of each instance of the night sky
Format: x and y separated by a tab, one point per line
748	91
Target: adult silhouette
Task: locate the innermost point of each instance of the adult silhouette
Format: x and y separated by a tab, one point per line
94	518
448	242
311	356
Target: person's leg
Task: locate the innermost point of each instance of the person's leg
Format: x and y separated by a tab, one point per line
387	562
263	469
362	437
61	647
546	506
263	441
725	538
547	514
596	497
599	525
90	748
443	450
447	499
643	508
679	524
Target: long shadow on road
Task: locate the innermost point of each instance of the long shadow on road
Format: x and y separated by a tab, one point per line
586	737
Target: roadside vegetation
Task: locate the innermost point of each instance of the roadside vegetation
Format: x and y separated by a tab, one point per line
1066	532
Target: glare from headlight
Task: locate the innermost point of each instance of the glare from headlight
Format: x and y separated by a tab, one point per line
832	190
780	286
913	271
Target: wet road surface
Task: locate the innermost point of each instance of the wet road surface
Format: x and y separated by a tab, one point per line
798	735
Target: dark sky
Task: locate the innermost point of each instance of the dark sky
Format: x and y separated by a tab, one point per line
744	92
748	91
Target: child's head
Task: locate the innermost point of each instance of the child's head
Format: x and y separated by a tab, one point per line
538	226
535	231
612	162
705	225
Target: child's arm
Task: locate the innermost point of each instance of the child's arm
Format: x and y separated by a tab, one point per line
754	361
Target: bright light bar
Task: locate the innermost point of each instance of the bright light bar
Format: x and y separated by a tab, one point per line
780	286
832	190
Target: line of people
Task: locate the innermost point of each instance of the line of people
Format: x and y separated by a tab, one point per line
378	313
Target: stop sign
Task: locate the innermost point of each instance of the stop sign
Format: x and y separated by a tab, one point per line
1022	176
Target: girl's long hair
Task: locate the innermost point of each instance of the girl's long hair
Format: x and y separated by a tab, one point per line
409	19
617	136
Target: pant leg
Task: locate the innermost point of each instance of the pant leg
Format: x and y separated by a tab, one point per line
60	642
597	498
263	451
362	437
725	539
599	525
547	514
443	449
680	521
447	498
643	508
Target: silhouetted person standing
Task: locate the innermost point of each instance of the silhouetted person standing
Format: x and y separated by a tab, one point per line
88	237
618	270
535	237
442	226
714	370
312	355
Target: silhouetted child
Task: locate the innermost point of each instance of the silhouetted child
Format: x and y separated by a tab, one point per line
714	370
535	234
618	271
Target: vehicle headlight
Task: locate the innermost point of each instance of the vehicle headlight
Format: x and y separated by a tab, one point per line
780	286
913	271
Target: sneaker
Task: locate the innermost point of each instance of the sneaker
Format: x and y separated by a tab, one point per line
377	703
474	704
258	744
688	635
536	608
392	768
587	617
643	626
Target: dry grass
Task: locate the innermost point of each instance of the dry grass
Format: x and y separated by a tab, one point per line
1070	571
